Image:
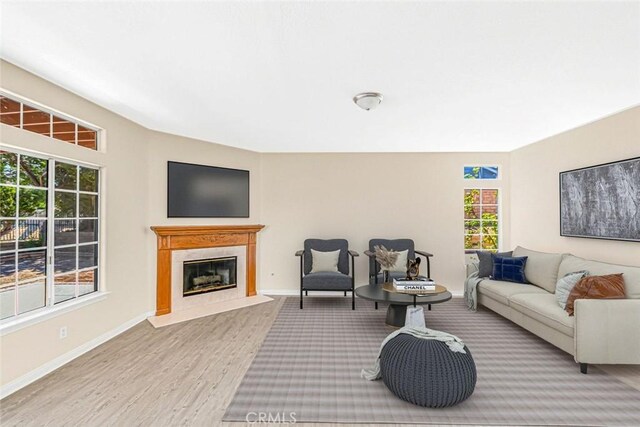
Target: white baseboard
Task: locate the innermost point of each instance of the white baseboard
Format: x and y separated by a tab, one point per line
54	364
295	292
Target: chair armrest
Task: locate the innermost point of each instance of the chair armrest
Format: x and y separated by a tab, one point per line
300	253
606	331
353	253
423	253
370	254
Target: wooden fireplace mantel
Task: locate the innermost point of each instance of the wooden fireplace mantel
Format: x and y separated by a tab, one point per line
173	237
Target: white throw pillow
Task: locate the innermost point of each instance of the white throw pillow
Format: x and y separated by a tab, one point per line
566	284
324	261
401	262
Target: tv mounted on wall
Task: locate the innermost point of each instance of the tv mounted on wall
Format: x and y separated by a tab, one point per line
198	191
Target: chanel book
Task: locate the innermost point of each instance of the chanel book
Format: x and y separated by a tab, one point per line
414	285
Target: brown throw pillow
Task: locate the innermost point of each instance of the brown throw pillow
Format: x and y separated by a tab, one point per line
610	286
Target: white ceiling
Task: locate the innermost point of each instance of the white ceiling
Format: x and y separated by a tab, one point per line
279	76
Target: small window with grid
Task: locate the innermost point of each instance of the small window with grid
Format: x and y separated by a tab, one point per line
481	219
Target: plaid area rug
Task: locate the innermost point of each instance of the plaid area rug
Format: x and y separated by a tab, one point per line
309	367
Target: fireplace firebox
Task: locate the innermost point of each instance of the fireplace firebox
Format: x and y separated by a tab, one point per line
209	275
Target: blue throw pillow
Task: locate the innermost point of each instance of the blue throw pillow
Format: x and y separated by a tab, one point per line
509	269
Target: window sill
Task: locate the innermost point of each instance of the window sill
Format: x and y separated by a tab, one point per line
12	325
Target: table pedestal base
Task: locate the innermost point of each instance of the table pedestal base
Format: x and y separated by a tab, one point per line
396	315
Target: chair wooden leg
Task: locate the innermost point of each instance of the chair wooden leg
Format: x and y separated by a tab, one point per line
376	305
306	293
429	307
353	300
300	299
584	367
345	293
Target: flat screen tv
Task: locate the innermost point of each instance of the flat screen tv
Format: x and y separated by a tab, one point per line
207	191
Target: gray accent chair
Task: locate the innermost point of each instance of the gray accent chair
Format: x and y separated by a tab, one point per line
327	281
375	276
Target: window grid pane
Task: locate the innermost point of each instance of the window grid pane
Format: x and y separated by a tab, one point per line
8	168
25	241
38	120
480	172
9	111
481	224
76	238
29	234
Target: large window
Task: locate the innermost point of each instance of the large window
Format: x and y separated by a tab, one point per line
481	220
16	113
40	268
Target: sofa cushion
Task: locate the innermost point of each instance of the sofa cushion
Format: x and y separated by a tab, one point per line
501	291
566	284
509	269
542	267
326	281
485	264
610	286
631	275
544	309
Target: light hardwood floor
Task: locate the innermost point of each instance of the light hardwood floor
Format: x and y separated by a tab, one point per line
184	374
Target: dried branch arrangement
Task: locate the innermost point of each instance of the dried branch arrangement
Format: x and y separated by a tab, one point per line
385	257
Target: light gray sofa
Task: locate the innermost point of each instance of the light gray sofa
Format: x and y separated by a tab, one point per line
601	331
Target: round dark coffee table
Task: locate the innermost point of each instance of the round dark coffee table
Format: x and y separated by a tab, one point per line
398	302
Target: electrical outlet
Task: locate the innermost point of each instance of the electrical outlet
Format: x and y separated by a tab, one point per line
63	332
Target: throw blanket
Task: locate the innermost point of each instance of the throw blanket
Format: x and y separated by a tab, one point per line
470	294
454	343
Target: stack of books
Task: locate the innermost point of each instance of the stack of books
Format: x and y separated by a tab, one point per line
414	285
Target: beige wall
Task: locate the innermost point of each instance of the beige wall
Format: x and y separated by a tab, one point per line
362	196
134	174
534	185
164	147
125	174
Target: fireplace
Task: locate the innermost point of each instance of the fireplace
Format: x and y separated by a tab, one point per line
178	244
209	275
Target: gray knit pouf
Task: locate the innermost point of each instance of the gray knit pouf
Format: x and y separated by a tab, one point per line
426	372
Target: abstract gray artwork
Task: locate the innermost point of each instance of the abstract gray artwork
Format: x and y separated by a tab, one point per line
601	201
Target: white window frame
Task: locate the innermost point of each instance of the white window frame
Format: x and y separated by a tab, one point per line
100	133
500	218
483	165
51	308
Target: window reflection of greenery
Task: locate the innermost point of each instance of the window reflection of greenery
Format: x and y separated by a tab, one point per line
486	227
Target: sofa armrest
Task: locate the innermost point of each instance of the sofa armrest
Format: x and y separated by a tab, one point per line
472	268
606	331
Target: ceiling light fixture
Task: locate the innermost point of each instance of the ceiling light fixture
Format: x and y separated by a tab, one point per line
368	100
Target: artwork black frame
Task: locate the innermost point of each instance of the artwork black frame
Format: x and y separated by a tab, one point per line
560	194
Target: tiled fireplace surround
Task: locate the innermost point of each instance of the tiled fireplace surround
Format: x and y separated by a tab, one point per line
179	302
177	244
